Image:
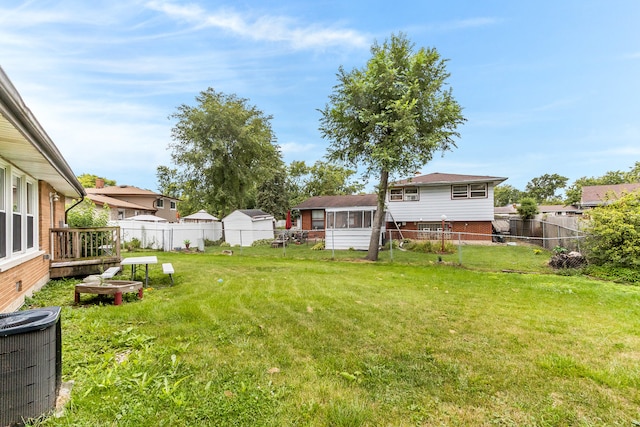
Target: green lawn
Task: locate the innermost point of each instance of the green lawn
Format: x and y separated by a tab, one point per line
263	338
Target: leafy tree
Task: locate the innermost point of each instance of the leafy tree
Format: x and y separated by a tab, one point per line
543	189
528	208
321	179
86	214
613	233
391	116
505	194
168	181
89	180
223	147
272	195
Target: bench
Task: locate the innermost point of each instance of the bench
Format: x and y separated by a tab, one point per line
110	272
167	268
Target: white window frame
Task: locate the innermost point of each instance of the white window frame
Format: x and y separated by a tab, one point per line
317	215
411	194
396	195
404	194
360	219
172	205
160	203
470	191
20	208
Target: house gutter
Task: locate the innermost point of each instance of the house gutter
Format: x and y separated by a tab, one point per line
66	211
36	135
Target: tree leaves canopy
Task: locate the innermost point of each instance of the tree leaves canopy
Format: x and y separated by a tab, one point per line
391	116
223	147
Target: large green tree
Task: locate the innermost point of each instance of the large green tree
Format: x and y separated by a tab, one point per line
391	116
89	180
320	179
222	148
544	188
505	194
272	195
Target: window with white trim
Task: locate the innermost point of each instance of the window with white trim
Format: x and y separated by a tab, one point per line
405	194
160	203
469	191
19	227
3	213
317	219
172	205
411	194
395	194
349	219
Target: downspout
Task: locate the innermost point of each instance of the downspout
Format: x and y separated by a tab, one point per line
71	207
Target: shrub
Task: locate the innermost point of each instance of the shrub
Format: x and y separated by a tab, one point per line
528	208
318	246
86	215
262	242
613	233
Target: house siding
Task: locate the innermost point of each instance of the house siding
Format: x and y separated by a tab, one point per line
436	201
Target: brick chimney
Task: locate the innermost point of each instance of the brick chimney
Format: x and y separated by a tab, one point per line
99	183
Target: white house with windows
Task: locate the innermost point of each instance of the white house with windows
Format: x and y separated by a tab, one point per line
421	207
34	181
424	204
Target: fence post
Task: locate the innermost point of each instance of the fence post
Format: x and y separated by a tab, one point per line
391	244
459	249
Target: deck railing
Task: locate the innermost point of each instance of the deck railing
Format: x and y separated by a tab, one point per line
76	244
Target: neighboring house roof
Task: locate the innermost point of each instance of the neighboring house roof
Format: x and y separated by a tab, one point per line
594	195
323	202
112	202
559	209
122	190
25	143
438	178
505	210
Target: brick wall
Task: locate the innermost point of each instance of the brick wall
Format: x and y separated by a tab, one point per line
27	277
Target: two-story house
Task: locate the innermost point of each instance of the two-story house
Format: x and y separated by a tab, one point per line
126	201
420	207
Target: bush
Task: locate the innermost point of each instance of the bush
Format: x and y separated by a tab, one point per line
528	208
613	233
262	242
86	215
318	246
428	246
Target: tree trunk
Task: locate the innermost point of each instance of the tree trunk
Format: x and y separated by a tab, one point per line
378	219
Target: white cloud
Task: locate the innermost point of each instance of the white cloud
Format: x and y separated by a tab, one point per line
263	28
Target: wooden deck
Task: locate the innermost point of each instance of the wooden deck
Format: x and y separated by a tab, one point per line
84	251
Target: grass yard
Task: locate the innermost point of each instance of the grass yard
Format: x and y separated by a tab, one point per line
262	339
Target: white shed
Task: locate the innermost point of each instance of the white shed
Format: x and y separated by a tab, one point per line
243	227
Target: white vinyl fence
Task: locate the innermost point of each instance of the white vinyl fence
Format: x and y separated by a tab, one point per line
168	236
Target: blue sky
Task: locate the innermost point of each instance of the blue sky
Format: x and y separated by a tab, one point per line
546	86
